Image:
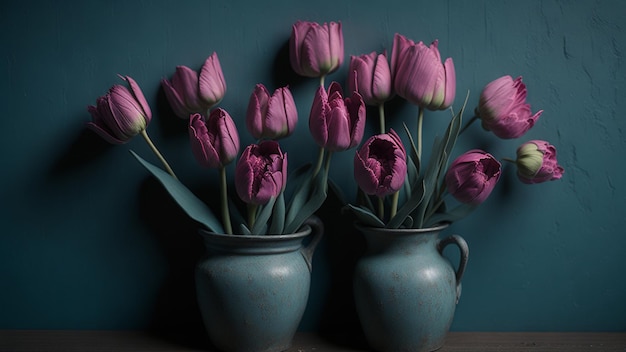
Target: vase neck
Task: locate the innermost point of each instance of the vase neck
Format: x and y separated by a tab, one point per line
403	240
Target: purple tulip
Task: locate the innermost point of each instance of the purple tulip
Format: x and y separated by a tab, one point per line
316	50
214	143
370	75
419	76
380	164
271	116
336	123
472	176
189	92
121	113
261	172
503	108
536	162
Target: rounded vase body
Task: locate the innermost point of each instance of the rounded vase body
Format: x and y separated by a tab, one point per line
405	290
253	290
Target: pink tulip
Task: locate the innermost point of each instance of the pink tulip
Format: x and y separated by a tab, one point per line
316	50
503	108
536	162
370	75
380	164
271	116
419	76
120	114
472	176
214	143
261	172
189	92
336	123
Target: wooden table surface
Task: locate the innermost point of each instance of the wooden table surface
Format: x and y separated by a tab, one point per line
88	340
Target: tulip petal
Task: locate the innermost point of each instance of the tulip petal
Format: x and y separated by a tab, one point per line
127	113
175	101
139	97
211	83
201	142
185	82
381	80
450	89
318	117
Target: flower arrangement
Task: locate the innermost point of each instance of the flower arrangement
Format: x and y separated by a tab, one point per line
388	174
383	168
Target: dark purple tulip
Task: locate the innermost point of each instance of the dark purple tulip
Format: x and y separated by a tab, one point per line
337	124
189	92
380	164
214	142
120	114
271	116
472	176
370	75
316	50
261	172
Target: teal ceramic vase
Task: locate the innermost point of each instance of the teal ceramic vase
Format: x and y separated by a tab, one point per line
252	290
405	291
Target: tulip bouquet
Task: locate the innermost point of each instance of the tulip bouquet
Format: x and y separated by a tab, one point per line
384	170
388	175
336	124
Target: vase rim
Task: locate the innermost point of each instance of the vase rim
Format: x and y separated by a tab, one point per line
434	228
304	231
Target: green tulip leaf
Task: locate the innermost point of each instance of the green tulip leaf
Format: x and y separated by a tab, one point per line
300	195
407	208
365	216
318	196
453	215
414	156
244	229
278	215
260	224
192	205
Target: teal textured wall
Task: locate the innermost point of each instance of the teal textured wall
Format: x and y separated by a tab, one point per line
90	241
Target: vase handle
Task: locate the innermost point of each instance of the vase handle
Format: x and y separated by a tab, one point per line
464	251
317	230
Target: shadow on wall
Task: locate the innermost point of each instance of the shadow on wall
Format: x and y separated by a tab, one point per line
176	314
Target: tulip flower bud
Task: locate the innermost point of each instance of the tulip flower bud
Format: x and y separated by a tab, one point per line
189	92
337	124
536	162
380	164
315	50
420	77
120	114
472	176
370	75
214	143
271	117
503	109
261	172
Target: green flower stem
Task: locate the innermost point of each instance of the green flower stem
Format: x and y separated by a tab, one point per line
394	204
320	160
420	122
381	208
252	208
433	209
474	118
509	160
322	79
327	168
169	170
381	116
224	192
